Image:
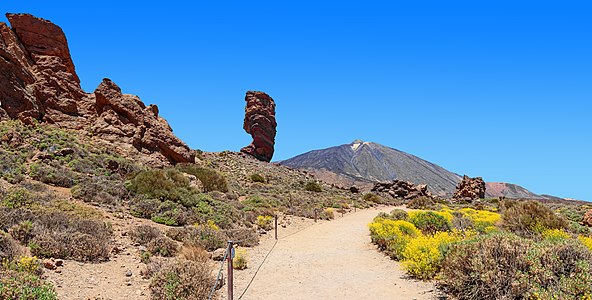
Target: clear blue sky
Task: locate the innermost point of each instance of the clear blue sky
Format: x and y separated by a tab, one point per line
498	89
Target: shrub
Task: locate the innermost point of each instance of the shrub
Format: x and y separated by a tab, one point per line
182	279
527	218
487	267
162	246
429	222
144	234
392	236
247	237
24	286
9	248
100	190
257	178
210	179
17	198
264	222
421	203
555	235
481	219
313	186
327	214
53	173
201	236
239	261
399	214
22	232
587	241
371	197
424	254
194	253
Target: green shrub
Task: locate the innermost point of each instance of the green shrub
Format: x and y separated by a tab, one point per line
22	232
527	218
17	198
210	179
257	178
163	246
371	197
203	236
24	286
421	203
53	173
313	186
144	234
399	214
429	222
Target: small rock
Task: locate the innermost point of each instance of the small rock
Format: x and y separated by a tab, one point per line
58	271
128	273
59	263
48	264
218	254
142	248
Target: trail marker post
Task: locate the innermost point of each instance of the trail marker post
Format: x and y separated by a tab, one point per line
276	226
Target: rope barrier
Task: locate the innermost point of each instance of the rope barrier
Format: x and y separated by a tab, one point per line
257	271
218	277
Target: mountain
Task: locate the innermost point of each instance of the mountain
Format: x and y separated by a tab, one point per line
363	163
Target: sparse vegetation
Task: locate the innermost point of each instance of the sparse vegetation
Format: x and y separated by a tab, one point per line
239	261
181	279
313	186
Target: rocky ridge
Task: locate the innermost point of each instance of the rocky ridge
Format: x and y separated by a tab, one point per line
38	83
400	189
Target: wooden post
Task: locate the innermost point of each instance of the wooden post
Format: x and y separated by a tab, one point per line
276	226
230	270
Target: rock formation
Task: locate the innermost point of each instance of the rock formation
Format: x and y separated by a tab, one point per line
587	220
38	82
400	189
470	189
260	123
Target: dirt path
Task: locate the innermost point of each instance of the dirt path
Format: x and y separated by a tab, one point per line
328	260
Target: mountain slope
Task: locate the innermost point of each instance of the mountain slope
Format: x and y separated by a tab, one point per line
365	162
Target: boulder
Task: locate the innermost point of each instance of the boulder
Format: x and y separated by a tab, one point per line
587	220
260	123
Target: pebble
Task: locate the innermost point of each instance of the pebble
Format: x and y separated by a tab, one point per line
128	273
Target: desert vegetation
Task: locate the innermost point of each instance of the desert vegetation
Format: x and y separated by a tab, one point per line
502	250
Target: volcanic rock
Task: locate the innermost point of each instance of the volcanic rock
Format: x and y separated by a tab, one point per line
400	189
587	220
38	82
470	189
260	123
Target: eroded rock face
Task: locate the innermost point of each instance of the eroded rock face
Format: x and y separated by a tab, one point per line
38	81
400	189
260	123
470	189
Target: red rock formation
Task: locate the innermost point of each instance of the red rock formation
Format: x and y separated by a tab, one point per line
470	189
38	81
260	123
400	189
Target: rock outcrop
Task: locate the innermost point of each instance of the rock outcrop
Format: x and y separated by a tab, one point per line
587	220
470	189
260	123
400	189
38	82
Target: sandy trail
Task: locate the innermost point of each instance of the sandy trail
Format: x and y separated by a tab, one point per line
328	260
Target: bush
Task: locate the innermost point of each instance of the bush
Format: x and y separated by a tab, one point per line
182	279
200	236
162	246
239	262
488	267
327	214
555	235
421	203
423	255
313	186
264	222
481	219
53	173
587	241
210	179
144	234
528	218
370	197
100	190
399	214
429	222
257	178
22	232
9	248
392	236
194	253
24	286
506	266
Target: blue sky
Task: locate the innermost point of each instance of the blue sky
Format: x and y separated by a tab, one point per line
498	89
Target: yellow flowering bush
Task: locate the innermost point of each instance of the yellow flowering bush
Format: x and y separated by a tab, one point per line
481	218
423	255
392	235
555	235
264	222
239	261
587	241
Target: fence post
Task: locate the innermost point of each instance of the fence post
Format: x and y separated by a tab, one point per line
230	270
315	212
276	226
